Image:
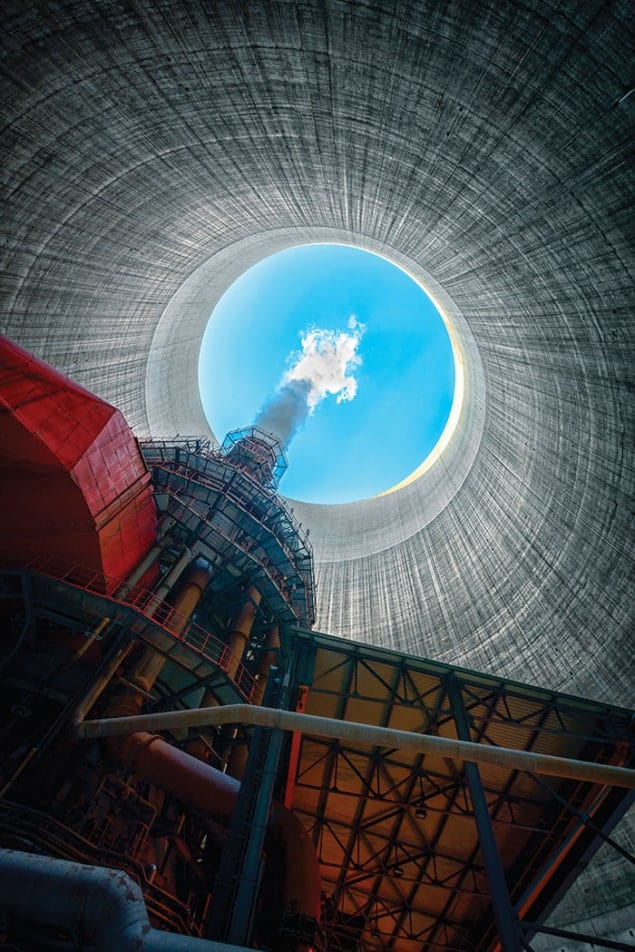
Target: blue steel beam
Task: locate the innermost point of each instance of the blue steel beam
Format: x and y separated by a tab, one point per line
503	912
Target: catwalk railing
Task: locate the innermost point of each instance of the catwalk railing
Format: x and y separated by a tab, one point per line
150	609
257	514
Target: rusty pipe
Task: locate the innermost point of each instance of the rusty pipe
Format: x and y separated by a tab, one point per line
355	732
194	782
302	882
128	701
191	592
243	623
149	666
239	752
234	758
154	760
268	659
213	793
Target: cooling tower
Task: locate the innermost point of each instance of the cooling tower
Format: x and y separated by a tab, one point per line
152	152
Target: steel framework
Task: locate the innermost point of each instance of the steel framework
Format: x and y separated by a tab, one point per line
417	850
419	853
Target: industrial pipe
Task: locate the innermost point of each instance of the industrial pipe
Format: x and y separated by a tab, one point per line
235	756
302	877
172	577
239	752
100	683
146	670
135	577
214	793
186	777
357	733
199	785
106	902
151	757
268	659
243	623
149	666
194	782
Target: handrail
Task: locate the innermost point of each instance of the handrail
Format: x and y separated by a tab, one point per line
292	556
161	456
144	602
51	836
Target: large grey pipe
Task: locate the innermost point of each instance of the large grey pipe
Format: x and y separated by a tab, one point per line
104	901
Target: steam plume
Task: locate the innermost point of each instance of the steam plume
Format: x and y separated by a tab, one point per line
287	411
323	366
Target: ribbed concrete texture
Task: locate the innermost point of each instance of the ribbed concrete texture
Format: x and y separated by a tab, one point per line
152	151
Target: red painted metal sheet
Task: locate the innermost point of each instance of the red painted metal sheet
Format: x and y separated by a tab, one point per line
73	483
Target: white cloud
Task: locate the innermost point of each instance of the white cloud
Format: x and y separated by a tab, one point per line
327	362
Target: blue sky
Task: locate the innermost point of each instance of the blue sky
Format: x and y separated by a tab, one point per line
348	450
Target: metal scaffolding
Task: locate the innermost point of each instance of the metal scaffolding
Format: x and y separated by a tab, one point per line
242	526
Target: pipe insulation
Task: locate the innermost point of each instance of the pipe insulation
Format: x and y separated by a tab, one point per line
358	733
104	901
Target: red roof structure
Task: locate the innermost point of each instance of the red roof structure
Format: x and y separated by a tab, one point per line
73	483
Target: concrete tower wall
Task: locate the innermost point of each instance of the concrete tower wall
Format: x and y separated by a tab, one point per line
152	152
482	144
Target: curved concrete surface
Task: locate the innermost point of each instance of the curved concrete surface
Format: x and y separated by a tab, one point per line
152	152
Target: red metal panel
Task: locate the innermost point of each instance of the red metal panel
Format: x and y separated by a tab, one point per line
73	483
63	416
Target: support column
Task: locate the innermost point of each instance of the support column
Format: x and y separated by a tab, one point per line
239	752
238	877
241	630
150	664
508	931
268	659
172	577
139	572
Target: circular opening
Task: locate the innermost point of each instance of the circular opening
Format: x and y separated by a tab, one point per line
361	343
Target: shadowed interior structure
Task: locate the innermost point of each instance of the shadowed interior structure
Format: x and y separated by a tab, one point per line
152	152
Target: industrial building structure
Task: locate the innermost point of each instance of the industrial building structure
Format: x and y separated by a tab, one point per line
151	153
168	713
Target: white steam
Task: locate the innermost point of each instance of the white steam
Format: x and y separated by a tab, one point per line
326	361
324	366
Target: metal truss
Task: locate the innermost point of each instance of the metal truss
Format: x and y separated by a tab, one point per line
246	526
61	592
402	839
